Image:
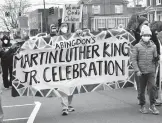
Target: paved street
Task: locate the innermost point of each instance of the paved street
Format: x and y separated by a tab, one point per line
114	106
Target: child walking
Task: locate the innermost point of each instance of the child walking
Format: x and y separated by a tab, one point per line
144	59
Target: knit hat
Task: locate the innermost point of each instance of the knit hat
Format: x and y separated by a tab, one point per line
141	19
145	30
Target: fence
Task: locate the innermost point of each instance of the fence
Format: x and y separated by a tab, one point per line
108	22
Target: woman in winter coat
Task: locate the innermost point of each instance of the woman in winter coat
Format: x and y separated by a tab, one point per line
6	54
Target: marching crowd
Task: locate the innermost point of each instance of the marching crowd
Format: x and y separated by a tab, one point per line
144	58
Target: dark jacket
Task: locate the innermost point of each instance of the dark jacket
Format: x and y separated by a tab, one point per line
7	51
156	42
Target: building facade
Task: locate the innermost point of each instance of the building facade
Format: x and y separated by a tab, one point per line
99	14
37	22
153	11
55	16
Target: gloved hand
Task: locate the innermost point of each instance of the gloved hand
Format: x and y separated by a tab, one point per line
139	73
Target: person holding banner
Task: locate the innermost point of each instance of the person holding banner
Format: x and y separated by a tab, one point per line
66	100
6	55
144	58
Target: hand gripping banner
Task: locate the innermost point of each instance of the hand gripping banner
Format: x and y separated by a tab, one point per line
57	66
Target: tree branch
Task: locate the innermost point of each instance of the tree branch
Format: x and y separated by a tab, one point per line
14	7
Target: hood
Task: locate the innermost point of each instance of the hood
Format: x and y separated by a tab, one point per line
3	41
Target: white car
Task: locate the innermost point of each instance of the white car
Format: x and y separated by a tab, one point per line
38	35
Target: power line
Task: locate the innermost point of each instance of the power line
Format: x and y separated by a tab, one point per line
60	3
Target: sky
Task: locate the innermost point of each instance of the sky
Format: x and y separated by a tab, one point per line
64	1
39	3
67	1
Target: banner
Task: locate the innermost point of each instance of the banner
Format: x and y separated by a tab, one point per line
72	13
82	63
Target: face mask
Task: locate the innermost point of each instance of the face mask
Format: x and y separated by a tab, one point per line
146	39
5	41
64	30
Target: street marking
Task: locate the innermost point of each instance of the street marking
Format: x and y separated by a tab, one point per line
32	115
34	112
10	106
16	119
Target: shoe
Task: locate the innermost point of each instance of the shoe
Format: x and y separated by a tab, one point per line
71	109
65	112
143	110
158	103
153	110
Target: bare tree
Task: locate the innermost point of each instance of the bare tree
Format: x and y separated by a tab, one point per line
11	10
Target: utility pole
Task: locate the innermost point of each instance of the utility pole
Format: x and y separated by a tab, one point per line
104	7
45	19
82	14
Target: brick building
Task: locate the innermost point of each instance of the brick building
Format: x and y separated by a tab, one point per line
99	14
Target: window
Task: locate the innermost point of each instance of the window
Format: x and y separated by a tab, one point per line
159	17
111	23
150	2
158	2
118	8
85	10
96	9
101	23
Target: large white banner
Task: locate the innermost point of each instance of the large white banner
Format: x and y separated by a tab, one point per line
75	65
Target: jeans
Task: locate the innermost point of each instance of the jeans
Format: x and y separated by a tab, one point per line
149	81
66	101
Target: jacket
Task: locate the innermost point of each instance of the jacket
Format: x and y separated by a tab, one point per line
7	52
156	42
143	57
